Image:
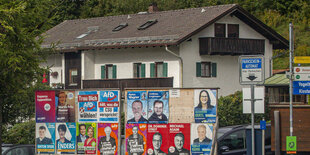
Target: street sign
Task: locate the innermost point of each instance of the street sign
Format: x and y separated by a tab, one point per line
263	125
302	70
251	69
302	77
291	144
259	104
302	59
301	87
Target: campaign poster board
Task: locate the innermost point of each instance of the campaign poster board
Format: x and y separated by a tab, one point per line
65	106
136	139
158	107
45	138
108	139
136	107
86	134
157	139
205	105
201	138
65	138
88	106
179	138
109	106
45	106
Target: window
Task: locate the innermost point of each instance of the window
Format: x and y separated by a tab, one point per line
282	95
108	71
138	70
234	141
219	30
206	69
233	31
120	26
159	69
73	77
147	24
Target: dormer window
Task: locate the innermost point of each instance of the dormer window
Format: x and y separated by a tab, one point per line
147	24
120	26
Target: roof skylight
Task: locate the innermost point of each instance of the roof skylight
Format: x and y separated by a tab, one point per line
120	26
147	24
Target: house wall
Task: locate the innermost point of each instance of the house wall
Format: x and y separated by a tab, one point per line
55	63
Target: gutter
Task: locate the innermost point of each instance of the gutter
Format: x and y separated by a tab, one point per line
181	65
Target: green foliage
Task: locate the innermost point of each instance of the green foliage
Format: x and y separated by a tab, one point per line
22	133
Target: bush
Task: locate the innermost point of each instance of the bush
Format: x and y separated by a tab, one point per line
22	133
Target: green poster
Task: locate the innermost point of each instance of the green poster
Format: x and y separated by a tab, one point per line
291	144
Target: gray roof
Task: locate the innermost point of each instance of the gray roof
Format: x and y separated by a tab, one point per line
173	27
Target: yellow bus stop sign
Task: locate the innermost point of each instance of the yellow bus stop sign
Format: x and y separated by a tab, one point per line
302	59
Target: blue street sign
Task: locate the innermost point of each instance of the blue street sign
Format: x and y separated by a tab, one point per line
251	63
301	87
263	125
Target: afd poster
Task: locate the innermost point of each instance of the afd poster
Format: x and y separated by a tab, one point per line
45	138
109	106
136	107
45	106
158	107
107	138
86	134
201	138
136	136
65	138
65	106
179	138
87	101
157	139
205	102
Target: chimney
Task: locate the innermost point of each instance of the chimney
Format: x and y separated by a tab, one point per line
153	7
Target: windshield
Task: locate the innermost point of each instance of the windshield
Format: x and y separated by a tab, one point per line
4	148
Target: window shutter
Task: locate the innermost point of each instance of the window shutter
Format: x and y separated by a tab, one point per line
198	69
114	72
142	70
152	68
103	72
213	69
165	73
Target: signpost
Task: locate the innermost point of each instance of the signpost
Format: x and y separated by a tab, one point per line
302	59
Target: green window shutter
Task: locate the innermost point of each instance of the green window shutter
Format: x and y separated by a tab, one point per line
103	72
165	73
114	72
198	69
142	70
213	69
152	68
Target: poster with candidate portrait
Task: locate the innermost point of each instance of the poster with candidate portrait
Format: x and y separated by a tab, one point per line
158	107
86	134
107	138
136	139
157	139
205	102
65	138
109	106
88	106
45	106
45	138
136	107
65	106
201	138
179	138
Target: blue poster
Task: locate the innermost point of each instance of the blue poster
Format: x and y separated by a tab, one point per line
45	138
205	102
65	138
88	106
201	138
158	107
109	106
136	107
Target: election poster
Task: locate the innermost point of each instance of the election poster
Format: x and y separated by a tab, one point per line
107	138
65	138
136	107
136	136
109	106
45	138
157	139
201	138
45	106
158	107
88	106
86	134
179	138
65	106
205	102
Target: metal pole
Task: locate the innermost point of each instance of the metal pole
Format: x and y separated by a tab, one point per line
277	131
291	78
263	140
252	115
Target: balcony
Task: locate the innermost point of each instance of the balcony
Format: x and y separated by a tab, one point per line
231	46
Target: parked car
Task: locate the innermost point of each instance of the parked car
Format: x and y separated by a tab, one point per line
18	149
232	140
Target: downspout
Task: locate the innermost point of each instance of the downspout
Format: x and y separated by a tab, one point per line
181	65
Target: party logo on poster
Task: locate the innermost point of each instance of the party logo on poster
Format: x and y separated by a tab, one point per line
136	107
45	106
109	106
87	101
45	138
158	107
108	138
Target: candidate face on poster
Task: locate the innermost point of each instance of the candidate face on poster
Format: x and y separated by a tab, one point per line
65	138
136	107
65	106
179	138
88	103
157	139
45	106
205	105
45	138
158	107
109	106
107	138
136	136
201	138
86	138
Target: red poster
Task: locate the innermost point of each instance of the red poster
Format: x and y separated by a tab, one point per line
157	139
179	138
45	106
